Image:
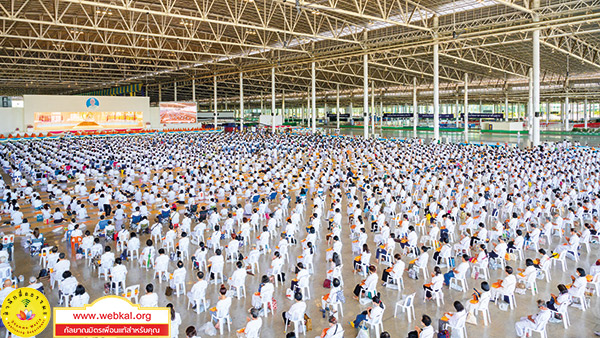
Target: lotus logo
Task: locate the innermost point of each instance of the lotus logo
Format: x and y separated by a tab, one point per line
92	102
26	315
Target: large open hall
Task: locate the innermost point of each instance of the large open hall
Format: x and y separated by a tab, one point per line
300	168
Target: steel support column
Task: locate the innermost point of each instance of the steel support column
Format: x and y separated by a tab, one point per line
536	79
436	84
585	113
241	102
337	104
215	100
273	100
313	78
415	108
366	94
466	108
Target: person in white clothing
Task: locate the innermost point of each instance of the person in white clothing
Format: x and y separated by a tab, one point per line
452	318
198	290
505	286
150	299
577	287
480	299
253	325
221	310
296	311
175	321
335	330
80	298
178	275
533	322
427	330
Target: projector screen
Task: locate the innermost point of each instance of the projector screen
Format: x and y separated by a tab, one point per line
177	112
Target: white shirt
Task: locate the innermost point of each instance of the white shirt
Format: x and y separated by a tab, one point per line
175	323
81	300
296	311
427	332
223	307
149	300
252	329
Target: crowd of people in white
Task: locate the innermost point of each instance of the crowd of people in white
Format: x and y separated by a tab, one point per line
256	209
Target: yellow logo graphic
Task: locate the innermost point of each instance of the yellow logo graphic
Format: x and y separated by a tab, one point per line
26	312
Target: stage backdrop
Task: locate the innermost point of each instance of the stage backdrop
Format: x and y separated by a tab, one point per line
63	113
178	112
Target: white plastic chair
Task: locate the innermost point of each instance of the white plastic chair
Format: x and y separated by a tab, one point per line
546	270
437	295
44	256
531	283
582	299
482	268
460	328
595	284
459	281
337	307
179	282
395	281
406	305
67	294
196	301
540	329
562	258
131	293
511	298
376	324
303	285
161	274
298	324
134	251
222	321
563	311
484	309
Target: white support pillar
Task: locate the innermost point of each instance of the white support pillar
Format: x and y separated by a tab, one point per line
273	100
313	78
366	94
215	100
436	84
415	108
567	110
585	113
530	107
159	93
506	107
175	91
308	111
337	104
241	102
547	113
456	111
466	108
302	114
536	78
381	113
372	108
282	107
194	90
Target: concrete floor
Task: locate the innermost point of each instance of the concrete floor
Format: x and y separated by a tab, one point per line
583	323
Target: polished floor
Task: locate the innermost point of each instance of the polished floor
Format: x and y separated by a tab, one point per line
583	323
